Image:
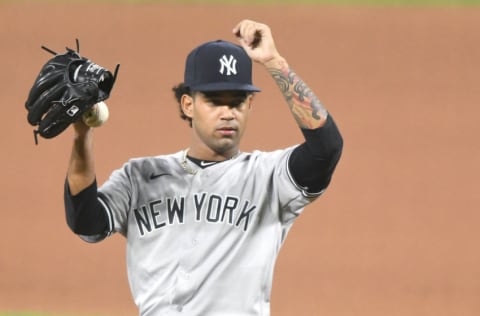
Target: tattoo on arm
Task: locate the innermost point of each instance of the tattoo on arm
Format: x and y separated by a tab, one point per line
307	110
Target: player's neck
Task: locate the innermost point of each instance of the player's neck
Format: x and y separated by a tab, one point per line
202	163
209	155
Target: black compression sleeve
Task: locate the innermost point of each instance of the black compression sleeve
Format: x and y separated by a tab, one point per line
85	214
312	163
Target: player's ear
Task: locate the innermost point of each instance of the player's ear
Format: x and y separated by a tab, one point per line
250	99
186	103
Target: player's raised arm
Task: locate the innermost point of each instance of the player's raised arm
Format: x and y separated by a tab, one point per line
81	167
312	163
85	215
257	40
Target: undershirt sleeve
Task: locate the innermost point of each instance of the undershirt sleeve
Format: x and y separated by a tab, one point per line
85	215
312	163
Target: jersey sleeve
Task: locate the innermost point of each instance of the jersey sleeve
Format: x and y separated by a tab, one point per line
276	186
116	196
312	163
85	214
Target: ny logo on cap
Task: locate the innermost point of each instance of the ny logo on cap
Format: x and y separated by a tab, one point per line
229	65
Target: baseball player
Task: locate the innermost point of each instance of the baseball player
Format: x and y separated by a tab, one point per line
204	225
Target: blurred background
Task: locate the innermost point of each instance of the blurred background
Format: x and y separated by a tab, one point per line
395	234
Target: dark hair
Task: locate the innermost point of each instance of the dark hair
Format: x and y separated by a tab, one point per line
178	91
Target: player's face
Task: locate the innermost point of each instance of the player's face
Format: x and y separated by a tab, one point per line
218	122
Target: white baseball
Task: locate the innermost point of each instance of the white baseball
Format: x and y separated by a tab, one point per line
97	115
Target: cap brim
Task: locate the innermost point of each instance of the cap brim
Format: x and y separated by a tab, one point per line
224	86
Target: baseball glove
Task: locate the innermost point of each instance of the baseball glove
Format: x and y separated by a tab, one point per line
68	85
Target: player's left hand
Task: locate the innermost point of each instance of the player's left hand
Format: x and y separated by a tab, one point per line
67	86
257	40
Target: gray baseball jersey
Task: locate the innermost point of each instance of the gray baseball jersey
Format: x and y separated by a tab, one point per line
203	241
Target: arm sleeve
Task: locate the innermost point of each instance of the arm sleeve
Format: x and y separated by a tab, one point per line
312	163
85	215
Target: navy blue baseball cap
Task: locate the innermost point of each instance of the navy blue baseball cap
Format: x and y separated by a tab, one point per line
219	66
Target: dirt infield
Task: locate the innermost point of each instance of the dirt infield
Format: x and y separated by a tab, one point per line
397	232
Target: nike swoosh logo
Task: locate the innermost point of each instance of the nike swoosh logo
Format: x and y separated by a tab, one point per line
206	164
155	176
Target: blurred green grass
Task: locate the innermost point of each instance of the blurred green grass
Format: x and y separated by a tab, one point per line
39	314
329	2
432	3
24	314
